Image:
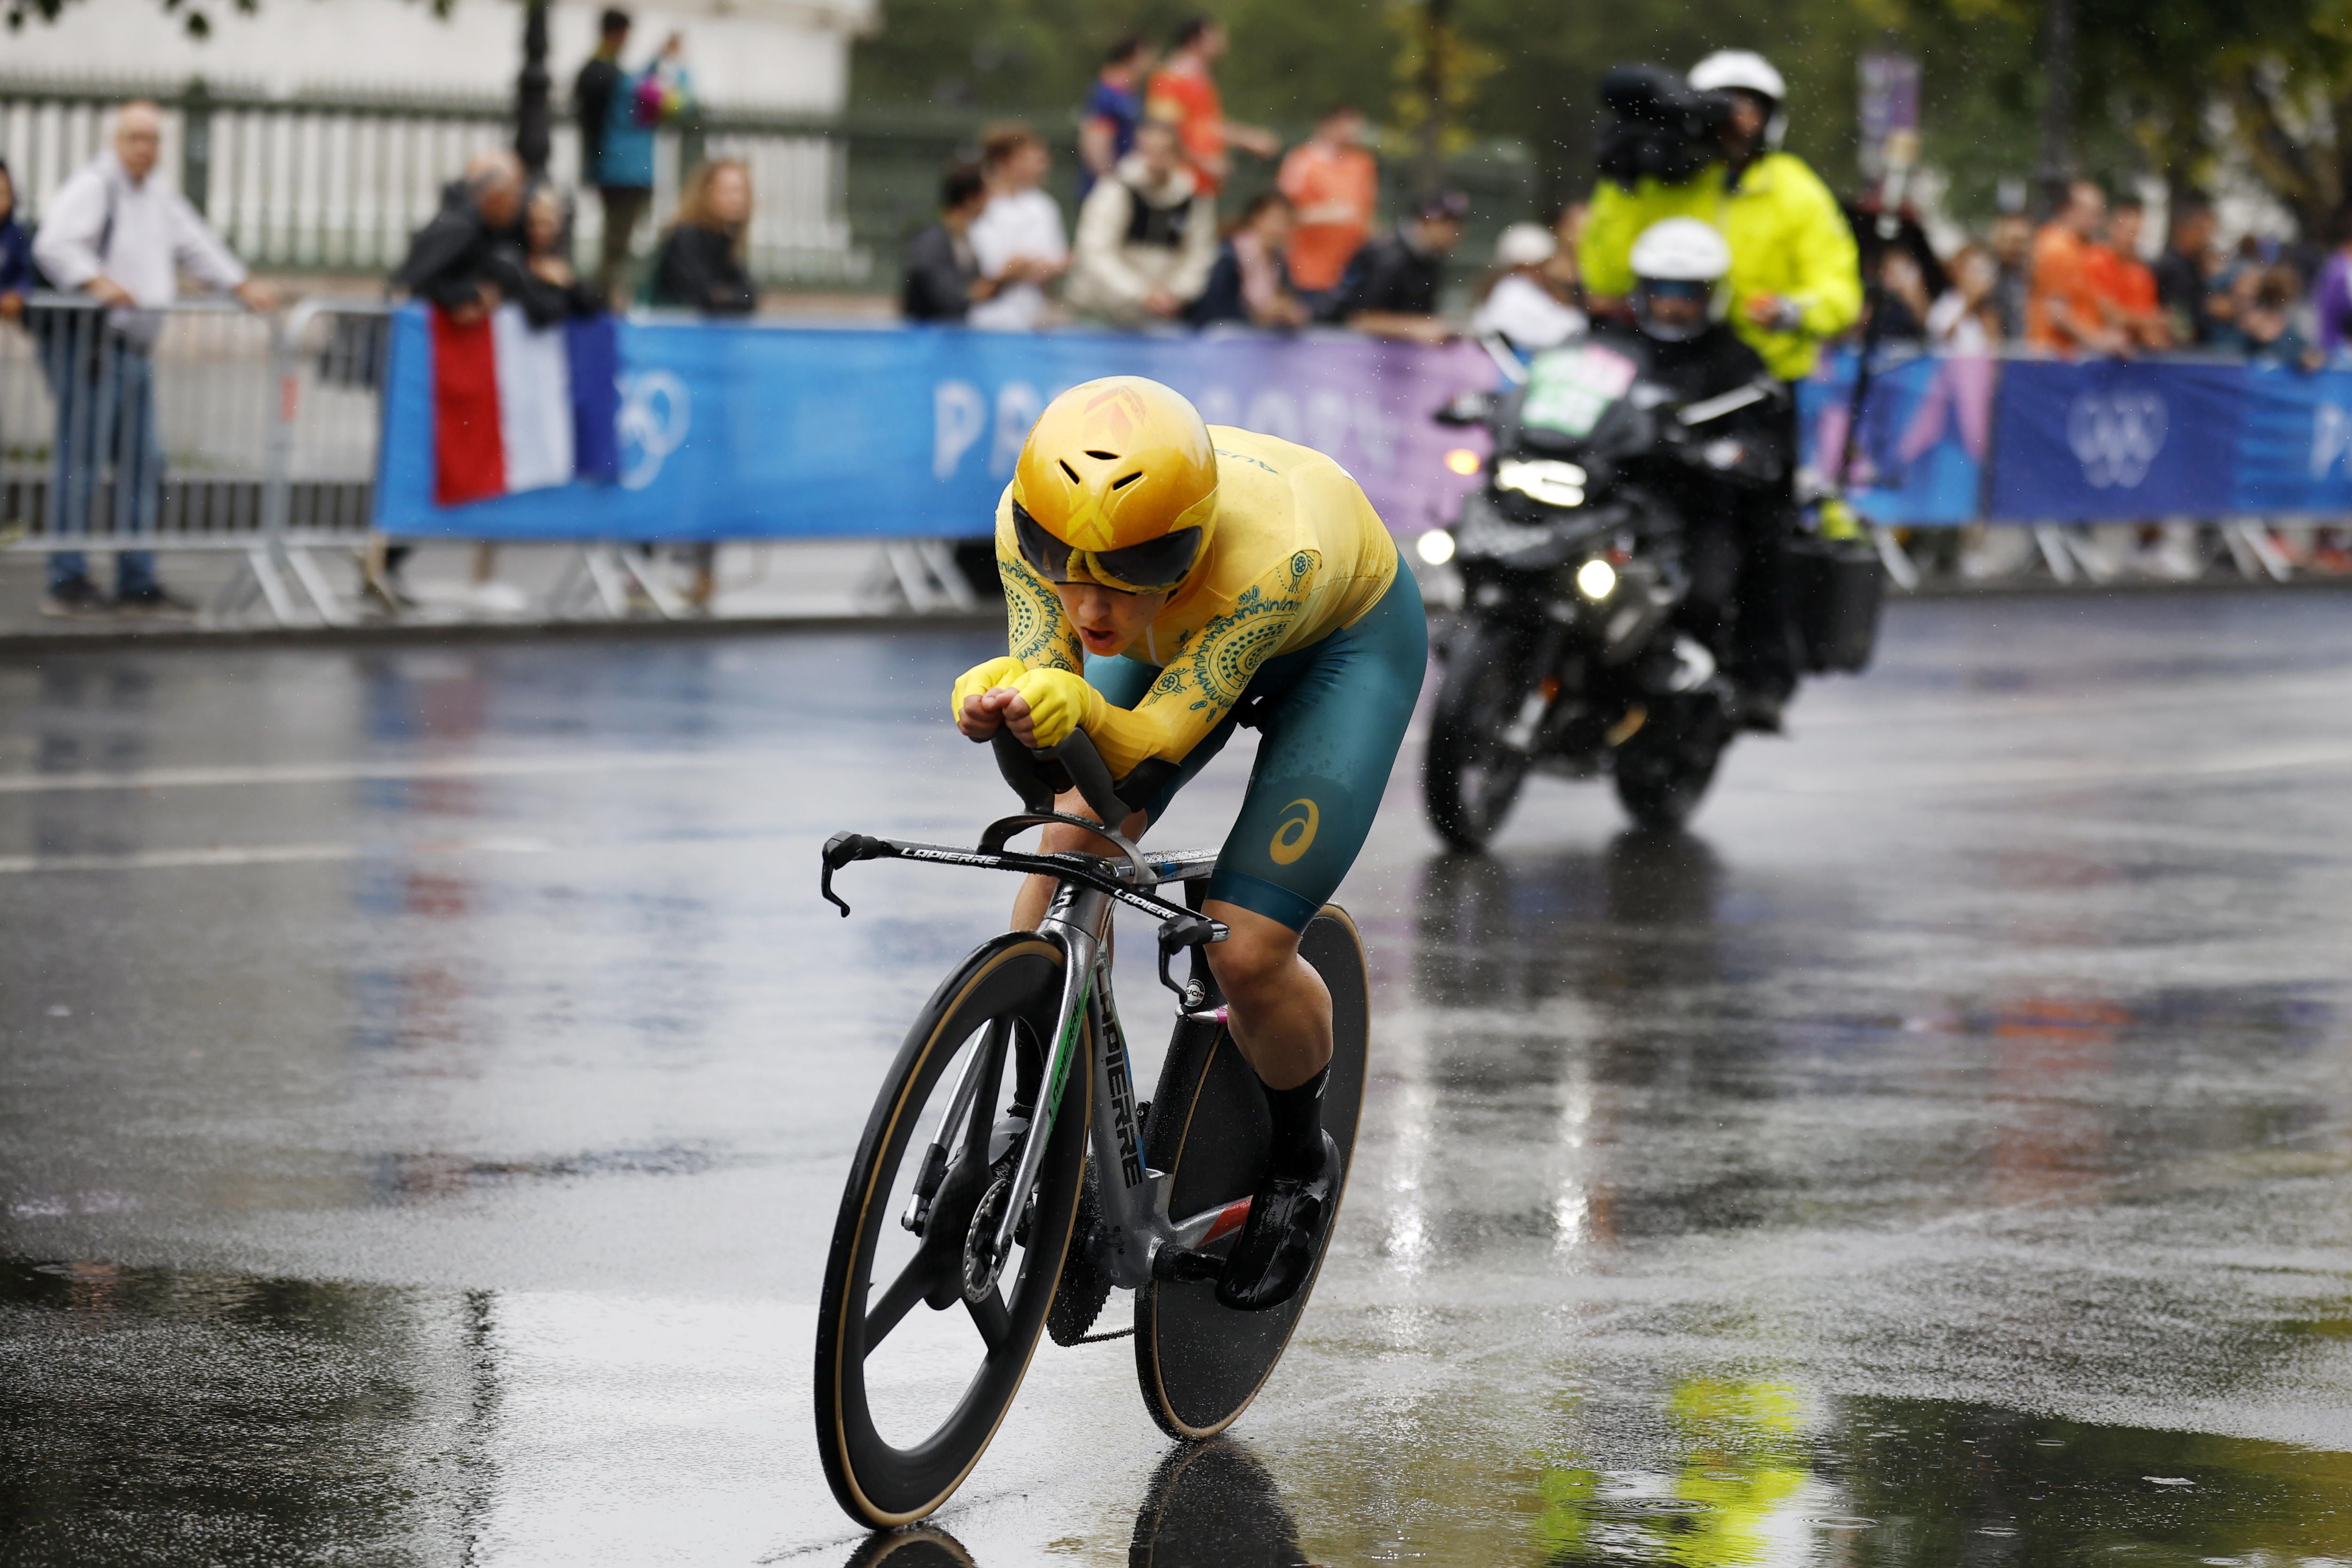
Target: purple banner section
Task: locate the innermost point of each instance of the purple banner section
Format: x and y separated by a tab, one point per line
764	432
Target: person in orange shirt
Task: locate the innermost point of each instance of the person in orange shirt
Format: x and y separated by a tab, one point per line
1333	184
2123	285
1183	93
2061	311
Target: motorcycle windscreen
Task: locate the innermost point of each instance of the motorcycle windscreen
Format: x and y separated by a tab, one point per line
1571	391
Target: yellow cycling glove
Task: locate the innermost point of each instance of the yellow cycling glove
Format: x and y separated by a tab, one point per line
1003	671
1059	702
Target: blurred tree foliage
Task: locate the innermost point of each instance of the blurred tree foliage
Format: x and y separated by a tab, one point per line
2165	88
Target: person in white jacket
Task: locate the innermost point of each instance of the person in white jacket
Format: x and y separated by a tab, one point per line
1147	237
118	232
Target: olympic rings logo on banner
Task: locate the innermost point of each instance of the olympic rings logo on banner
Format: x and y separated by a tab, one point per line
2116	437
656	414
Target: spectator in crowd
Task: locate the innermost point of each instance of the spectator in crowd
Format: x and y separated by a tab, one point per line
1114	109
592	92
2013	258
1017	239
1185	94
118	231
1390	290
1560	272
2331	296
467	256
2063	311
1250	285
1147	237
2184	274
1333	184
1967	319
700	266
943	279
2265	299
636	106
550	289
16	253
1520	303
1901	302
2121	283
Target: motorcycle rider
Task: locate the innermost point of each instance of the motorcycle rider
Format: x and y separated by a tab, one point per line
1793	282
1729	473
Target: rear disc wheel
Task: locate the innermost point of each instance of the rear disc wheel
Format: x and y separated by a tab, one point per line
1201	1363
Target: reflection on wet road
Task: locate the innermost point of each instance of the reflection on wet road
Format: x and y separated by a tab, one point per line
426	1079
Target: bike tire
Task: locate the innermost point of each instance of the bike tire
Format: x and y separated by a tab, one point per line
1016	977
1468	781
1662	772
1199	1365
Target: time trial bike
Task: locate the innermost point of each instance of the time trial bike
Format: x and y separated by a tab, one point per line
1008	1180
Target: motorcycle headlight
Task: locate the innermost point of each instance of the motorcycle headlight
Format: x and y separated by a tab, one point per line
1596	578
1436	547
1546	479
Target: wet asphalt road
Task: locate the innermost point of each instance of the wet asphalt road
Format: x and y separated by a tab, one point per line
426	1079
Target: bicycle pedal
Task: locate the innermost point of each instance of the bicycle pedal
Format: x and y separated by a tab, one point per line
1183	1266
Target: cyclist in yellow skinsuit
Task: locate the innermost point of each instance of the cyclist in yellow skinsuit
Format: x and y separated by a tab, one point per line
1166	580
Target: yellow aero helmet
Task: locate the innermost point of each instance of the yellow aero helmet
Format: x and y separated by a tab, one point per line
1117	484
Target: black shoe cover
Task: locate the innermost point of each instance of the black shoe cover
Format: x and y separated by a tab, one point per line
1285	1228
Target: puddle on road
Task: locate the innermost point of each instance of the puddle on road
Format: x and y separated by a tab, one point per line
154	1415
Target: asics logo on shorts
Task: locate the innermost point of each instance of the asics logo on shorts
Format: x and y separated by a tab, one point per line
1296	835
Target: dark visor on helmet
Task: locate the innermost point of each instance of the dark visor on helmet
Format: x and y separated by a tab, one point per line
1677	288
1144	568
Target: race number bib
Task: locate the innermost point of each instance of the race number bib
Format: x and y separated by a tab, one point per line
1570	389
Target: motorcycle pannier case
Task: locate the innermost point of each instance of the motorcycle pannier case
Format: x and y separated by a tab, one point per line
1836	587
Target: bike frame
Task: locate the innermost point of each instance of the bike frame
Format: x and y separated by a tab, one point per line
1134	1222
1134	1226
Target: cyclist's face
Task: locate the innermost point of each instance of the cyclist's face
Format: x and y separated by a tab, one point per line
1109	621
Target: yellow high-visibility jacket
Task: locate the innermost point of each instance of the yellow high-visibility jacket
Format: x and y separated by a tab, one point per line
1787	238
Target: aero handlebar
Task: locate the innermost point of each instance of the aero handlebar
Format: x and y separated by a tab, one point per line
1038	776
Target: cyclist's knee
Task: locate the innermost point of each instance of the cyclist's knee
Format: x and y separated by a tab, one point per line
1255	954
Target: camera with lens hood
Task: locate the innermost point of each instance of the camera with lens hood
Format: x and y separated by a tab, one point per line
1658	129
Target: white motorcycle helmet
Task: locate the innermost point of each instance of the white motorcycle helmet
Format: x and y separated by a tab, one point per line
1686	258
1745	70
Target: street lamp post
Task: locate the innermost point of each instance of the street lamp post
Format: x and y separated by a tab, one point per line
532	112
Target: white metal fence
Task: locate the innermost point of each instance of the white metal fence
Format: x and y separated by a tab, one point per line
298	184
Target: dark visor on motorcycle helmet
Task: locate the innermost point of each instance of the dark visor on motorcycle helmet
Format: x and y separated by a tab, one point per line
1144	568
1677	288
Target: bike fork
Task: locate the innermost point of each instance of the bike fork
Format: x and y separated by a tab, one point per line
1079	946
944	1131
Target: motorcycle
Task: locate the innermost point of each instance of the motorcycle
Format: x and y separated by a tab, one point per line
1567	657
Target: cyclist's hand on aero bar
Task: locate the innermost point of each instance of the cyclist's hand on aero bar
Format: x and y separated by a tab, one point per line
976	716
1059	701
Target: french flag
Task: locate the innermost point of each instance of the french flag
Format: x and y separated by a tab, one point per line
518	407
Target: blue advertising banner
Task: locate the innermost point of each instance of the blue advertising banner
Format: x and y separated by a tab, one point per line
1926	430
2115	440
2294	445
762	432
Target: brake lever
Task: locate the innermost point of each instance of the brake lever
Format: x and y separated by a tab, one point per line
1179	932
840	850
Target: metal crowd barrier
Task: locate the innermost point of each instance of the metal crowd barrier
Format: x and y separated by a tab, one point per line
200	427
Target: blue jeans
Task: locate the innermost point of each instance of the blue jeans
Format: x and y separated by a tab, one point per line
105	397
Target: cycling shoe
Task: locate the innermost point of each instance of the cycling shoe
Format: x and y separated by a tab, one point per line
1279	1246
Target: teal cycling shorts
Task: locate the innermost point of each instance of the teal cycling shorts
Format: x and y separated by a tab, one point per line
1331	716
